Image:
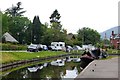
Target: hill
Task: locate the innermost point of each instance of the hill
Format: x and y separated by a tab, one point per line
109	32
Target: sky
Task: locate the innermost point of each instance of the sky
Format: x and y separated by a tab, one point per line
99	15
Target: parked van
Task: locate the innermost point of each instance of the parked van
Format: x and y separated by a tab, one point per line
90	47
58	46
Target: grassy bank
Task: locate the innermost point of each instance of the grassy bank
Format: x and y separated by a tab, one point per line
113	51
77	51
14	56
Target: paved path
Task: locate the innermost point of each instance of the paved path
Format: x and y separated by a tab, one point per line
100	70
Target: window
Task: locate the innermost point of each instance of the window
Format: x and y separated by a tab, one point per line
52	45
60	44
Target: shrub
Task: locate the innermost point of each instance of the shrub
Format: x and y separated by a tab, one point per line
10	46
118	51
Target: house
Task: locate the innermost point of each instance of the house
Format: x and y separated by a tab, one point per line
71	36
9	38
115	40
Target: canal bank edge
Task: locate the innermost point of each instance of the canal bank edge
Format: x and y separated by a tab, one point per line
5	67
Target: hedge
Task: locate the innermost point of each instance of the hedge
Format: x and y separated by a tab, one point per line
10	46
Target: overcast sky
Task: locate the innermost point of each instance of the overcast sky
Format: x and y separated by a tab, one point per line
75	14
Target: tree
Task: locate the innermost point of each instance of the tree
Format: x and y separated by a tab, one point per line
0	25
48	36
55	17
37	30
58	33
15	10
45	34
16	28
28	34
105	43
88	36
15	23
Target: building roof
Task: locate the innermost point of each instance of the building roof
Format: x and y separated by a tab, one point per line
9	38
70	36
116	36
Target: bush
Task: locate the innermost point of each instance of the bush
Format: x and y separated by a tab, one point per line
118	51
10	46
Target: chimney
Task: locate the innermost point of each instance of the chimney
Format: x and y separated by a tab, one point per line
112	33
105	36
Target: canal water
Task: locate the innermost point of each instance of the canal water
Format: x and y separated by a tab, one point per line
46	71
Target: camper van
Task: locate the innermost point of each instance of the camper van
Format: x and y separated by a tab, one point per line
58	46
90	47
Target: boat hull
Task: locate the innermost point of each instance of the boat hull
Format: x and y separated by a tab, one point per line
85	61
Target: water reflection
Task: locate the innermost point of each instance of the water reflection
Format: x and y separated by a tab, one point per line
48	72
70	73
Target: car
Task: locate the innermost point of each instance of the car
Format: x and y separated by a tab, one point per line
68	48
56	48
49	48
77	48
44	47
33	48
40	47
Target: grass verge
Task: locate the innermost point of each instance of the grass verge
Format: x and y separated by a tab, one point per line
113	51
16	56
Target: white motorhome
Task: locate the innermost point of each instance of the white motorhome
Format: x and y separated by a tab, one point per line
90	47
58	46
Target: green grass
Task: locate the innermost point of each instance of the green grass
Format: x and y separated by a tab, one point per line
14	56
77	51
113	51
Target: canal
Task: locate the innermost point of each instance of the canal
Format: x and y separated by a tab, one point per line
47	71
